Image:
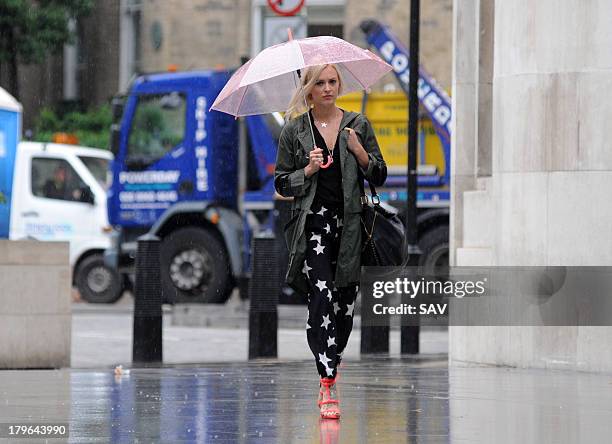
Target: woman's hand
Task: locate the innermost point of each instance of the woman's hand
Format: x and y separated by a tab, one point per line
353	141
316	159
355	147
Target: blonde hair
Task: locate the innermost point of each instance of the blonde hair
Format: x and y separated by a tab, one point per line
310	77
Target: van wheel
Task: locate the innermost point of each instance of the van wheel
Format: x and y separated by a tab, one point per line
194	267
434	247
98	283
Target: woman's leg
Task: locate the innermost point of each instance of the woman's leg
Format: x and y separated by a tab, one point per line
344	316
323	299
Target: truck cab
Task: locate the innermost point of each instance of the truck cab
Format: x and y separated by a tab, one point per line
175	175
59	194
56	192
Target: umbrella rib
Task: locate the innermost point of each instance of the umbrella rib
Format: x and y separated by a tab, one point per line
241	100
354	76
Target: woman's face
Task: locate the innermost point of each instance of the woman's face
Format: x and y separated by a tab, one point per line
326	88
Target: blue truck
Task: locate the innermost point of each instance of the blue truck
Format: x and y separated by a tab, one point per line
203	182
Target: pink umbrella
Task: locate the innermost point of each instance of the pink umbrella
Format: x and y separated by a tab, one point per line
267	82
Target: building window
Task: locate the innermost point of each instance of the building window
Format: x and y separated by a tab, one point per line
324	29
326	20
130	41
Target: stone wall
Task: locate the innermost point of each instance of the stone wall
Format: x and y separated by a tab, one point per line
35	313
531	163
195	34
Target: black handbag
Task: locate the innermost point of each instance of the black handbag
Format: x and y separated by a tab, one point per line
382	231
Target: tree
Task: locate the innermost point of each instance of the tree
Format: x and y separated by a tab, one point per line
32	29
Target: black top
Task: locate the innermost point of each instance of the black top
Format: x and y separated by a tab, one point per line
329	184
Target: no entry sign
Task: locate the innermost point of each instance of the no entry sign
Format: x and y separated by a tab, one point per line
286	8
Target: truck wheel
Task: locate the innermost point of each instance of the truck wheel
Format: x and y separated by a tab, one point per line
194	267
434	245
98	283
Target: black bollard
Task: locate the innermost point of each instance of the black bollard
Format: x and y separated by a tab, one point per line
147	341
374	339
263	296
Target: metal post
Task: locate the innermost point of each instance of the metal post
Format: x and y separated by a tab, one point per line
263	296
374	339
147	339
410	335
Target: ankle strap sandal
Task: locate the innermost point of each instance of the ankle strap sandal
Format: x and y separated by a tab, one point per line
328	399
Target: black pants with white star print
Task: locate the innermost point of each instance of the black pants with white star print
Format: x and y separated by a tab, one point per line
330	309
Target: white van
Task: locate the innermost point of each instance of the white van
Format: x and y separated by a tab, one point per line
59	194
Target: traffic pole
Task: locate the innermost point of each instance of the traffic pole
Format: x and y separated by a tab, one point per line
410	334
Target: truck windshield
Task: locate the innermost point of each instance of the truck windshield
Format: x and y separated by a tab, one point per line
99	168
157	127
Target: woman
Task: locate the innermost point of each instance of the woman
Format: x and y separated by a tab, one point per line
324	233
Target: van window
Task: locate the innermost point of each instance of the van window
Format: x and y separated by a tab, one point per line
55	179
99	168
157	127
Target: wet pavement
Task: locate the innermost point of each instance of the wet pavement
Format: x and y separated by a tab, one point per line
383	400
102	337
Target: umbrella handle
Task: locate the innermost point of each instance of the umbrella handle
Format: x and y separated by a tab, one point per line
327	164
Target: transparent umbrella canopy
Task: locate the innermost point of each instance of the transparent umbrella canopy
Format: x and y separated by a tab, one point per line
267	82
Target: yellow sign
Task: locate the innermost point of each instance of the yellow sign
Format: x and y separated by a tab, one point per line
388	113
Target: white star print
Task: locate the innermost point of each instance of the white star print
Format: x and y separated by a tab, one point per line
327	228
329	294
324	124
321	285
336	307
326	322
349	309
322	211
331	341
306	269
319	249
323	359
339	223
316	237
330	371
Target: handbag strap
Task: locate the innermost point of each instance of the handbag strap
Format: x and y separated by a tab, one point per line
360	179
364	198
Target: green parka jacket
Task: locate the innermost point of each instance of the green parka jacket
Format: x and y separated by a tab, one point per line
290	181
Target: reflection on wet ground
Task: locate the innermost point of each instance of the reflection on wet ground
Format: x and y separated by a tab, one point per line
407	400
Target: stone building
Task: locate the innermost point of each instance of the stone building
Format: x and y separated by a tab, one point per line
532	169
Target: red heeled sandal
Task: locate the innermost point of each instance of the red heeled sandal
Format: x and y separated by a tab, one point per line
328	399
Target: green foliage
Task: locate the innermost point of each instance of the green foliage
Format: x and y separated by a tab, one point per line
31	29
92	127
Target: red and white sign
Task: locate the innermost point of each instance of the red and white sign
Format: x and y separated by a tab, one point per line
286	8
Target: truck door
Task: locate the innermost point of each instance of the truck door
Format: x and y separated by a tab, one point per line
54	209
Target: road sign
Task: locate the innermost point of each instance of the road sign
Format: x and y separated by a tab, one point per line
286	8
